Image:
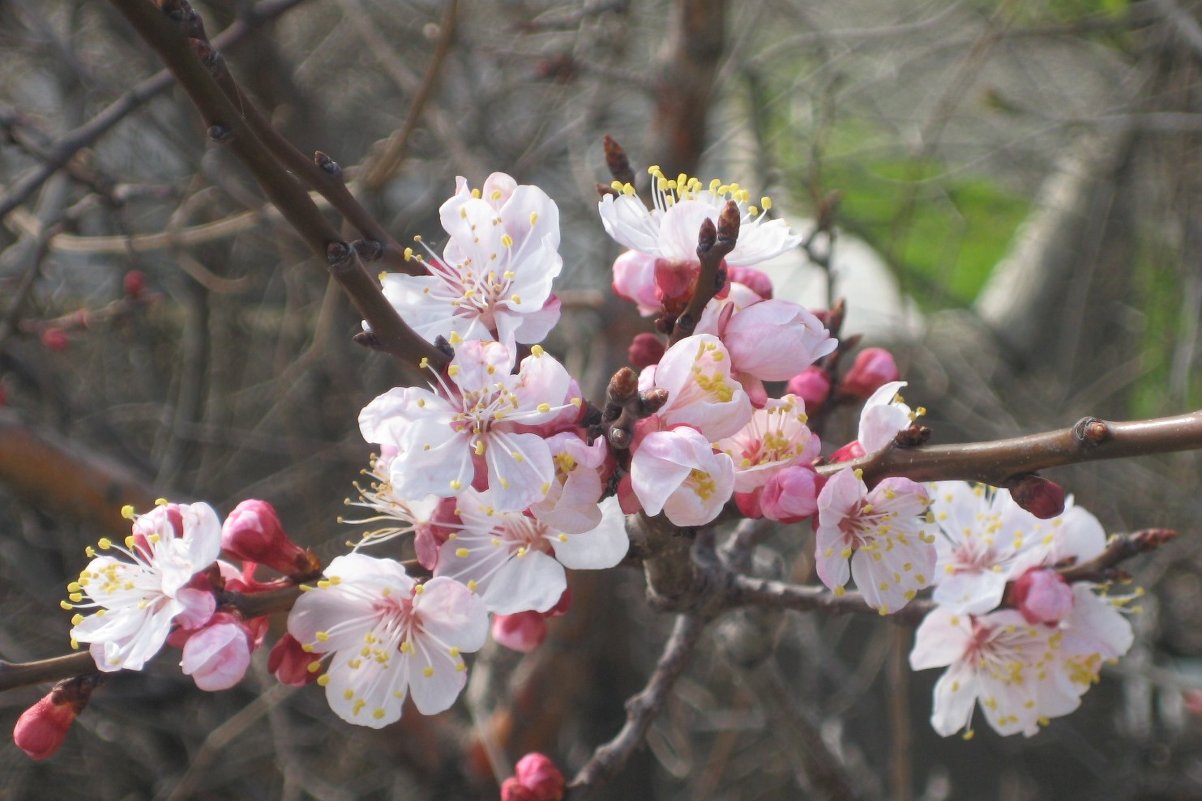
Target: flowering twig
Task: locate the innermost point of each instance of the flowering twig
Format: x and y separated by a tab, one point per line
192	60
641	709
1103	567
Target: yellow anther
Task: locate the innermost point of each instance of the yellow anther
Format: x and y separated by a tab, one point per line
462	553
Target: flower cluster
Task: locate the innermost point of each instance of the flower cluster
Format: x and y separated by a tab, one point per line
1014	636
499	478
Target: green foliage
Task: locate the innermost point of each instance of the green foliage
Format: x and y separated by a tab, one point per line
943	231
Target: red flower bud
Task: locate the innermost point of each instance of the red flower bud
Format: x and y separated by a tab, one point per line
521	632
872	369
289	662
1038	495
253	533
41	729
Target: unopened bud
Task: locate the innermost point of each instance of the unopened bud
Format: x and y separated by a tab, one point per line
133	284
623	385
55	339
729	221
791	494
41	729
1042	595
872	369
537	774
253	533
812	385
755	280
617	161
289	662
645	350
1038	495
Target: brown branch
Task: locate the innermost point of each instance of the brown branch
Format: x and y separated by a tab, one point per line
641	709
227	125
751	591
714	242
999	462
70	144
1104	566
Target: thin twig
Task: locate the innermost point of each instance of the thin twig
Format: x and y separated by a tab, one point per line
88	133
641	709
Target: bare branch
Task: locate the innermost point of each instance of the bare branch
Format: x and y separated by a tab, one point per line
641	709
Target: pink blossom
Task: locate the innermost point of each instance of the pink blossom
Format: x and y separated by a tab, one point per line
755	280
414	636
985	540
797	337
138	601
1022	674
1043	596
791	495
883	417
669	231
493	281
696	372
516	562
812	385
253	533
634	280
876	537
774	438
479	413
217	656
873	368
678	473
571	504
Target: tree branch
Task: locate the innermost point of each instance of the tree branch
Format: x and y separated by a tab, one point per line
998	462
641	709
227	125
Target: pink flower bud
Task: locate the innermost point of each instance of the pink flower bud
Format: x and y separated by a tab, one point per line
41	729
289	662
55	339
812	385
217	656
1192	699
749	503
513	790
791	495
645	350
1042	595
755	280
1039	496
852	450
872	369
134	283
253	533
521	632
537	774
